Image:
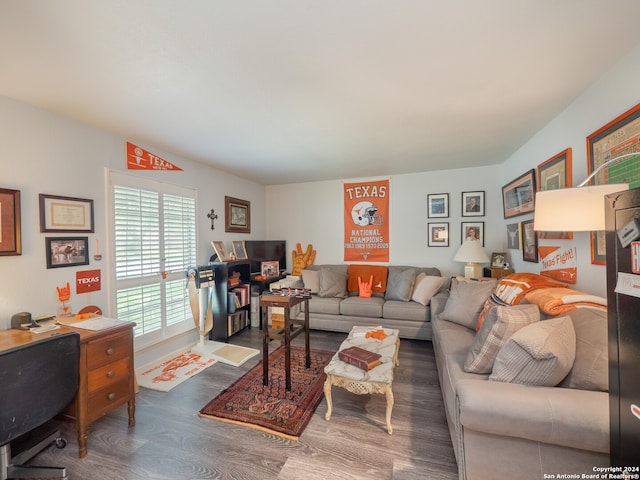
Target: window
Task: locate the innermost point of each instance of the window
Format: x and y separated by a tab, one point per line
154	241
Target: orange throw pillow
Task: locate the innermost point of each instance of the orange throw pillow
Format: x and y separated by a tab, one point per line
379	273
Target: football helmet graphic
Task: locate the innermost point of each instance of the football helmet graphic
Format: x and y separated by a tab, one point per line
366	213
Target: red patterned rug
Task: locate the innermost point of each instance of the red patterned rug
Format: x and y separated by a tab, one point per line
272	408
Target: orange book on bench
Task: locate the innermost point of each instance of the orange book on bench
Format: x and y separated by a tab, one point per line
360	357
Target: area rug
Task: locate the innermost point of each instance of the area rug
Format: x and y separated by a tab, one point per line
225	352
271	408
166	374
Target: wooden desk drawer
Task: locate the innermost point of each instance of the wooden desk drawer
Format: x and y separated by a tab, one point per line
106	399
107	350
108	374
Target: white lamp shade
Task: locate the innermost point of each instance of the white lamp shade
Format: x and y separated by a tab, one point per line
471	251
573	209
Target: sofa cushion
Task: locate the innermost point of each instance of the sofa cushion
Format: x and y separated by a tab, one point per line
400	284
332	283
362	307
311	280
426	287
400	310
328	305
465	302
539	354
591	367
498	326
379	273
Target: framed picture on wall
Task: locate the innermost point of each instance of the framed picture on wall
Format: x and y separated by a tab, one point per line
473	231
514	236
518	195
65	214
10	240
554	174
237	216
616	138
438	205
67	251
529	242
438	234
473	204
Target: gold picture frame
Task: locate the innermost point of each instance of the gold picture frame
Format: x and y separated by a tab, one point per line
239	250
221	251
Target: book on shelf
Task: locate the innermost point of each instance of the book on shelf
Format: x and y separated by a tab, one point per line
359	357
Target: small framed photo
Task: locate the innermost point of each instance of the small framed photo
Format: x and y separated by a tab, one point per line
10	240
438	205
518	196
498	259
438	234
473	204
529	242
270	269
65	214
221	251
238	249
237	217
473	231
67	251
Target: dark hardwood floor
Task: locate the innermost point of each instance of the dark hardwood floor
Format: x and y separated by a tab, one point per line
171	442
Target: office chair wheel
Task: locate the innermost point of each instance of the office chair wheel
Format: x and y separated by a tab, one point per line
61	442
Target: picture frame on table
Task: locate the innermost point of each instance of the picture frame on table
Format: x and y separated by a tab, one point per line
221	251
438	234
65	214
518	196
617	137
270	269
529	242
473	231
239	250
438	205
473	204
553	174
66	251
237	217
498	259
10	229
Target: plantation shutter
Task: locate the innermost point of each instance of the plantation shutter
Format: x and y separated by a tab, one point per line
154	242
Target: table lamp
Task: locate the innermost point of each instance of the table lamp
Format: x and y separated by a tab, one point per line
579	209
471	252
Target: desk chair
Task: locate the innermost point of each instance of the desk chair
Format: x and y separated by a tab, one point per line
38	380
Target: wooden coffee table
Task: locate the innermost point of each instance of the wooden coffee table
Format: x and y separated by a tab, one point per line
361	382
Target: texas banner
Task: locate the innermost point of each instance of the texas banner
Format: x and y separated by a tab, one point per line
559	263
140	159
366	221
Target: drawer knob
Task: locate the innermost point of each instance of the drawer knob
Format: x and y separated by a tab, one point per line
111	374
111	351
111	396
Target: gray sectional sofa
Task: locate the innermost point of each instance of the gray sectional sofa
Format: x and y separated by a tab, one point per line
335	307
511	429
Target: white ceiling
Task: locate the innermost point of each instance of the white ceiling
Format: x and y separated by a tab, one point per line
283	91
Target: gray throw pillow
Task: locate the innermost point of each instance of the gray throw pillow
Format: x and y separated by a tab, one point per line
400	284
332	283
497	328
465	302
540	354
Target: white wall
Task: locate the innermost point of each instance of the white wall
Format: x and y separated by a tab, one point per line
313	213
44	153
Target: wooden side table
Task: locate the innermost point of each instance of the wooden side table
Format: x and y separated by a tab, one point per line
292	328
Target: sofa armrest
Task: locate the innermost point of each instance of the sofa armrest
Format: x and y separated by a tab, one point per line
438	301
555	415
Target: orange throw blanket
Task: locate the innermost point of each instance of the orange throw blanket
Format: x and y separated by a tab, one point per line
555	301
512	288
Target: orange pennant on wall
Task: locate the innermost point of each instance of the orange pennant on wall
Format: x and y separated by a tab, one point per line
140	159
366	221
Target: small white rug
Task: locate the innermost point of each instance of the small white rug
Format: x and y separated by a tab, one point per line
225	352
166	374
